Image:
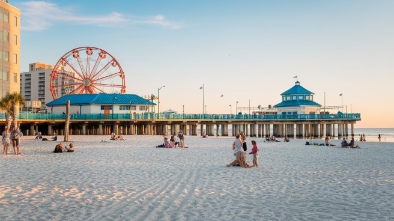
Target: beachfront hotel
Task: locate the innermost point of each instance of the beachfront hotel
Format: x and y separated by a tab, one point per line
10	48
34	86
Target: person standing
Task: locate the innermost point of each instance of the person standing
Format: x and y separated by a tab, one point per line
243	140
255	152
6	139
379	137
181	137
15	137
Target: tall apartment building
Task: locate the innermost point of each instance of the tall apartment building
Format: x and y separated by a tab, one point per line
35	83
9	48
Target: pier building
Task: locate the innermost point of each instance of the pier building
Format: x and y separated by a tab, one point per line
297	115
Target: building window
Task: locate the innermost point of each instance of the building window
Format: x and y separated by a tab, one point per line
124	107
5	16
294	97
308	97
300	97
4	55
142	108
5	36
288	98
16	39
5	75
133	107
15	78
16	20
15	58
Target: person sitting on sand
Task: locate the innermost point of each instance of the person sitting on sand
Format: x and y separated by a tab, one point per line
39	135
69	149
173	142
113	136
166	144
54	138
58	148
344	143
286	139
351	144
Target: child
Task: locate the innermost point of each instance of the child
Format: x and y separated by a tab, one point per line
255	153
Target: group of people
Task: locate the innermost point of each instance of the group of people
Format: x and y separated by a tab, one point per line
240	148
351	144
59	148
172	143
114	137
11	136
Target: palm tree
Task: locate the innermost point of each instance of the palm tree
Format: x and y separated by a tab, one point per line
10	103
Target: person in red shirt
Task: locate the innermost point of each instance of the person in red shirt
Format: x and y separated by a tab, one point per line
255	152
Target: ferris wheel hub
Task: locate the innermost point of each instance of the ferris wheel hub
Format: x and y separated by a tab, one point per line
86	82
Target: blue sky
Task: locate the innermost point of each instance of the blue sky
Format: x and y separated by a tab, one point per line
245	50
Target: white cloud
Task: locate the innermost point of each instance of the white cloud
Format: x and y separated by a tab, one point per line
161	21
41	15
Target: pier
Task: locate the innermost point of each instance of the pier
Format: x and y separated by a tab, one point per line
258	125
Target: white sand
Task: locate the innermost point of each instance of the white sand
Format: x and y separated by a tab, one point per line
131	180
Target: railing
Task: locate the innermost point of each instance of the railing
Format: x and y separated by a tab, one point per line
164	117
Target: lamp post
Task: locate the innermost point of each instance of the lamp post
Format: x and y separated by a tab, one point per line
236	107
158	102
230	109
183	111
113	101
203	105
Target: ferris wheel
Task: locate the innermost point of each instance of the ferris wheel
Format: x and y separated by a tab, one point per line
87	70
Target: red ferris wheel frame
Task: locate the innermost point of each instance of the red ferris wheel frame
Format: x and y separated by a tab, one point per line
73	74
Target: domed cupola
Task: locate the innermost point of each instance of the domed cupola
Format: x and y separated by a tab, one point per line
297	100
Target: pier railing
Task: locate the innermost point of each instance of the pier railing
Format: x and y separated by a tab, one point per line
166	117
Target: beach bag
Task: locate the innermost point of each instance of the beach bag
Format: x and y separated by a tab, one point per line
244	146
15	135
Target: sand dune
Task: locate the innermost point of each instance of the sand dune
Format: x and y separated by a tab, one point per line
132	180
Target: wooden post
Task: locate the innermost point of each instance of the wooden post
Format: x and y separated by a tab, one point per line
67	124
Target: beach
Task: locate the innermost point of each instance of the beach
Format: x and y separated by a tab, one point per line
133	180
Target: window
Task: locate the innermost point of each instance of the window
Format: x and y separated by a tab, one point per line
15	78
300	97
16	39
5	16
5	36
142	108
124	107
288	98
5	55
16	21
15	58
294	97
133	107
5	75
308	97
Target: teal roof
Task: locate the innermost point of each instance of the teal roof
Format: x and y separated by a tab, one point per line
88	99
297	89
295	103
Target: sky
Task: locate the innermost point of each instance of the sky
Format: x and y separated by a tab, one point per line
248	51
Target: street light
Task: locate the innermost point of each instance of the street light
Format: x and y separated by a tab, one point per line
183	111
158	102
236	107
230	110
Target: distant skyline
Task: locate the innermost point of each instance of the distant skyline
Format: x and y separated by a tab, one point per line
239	50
